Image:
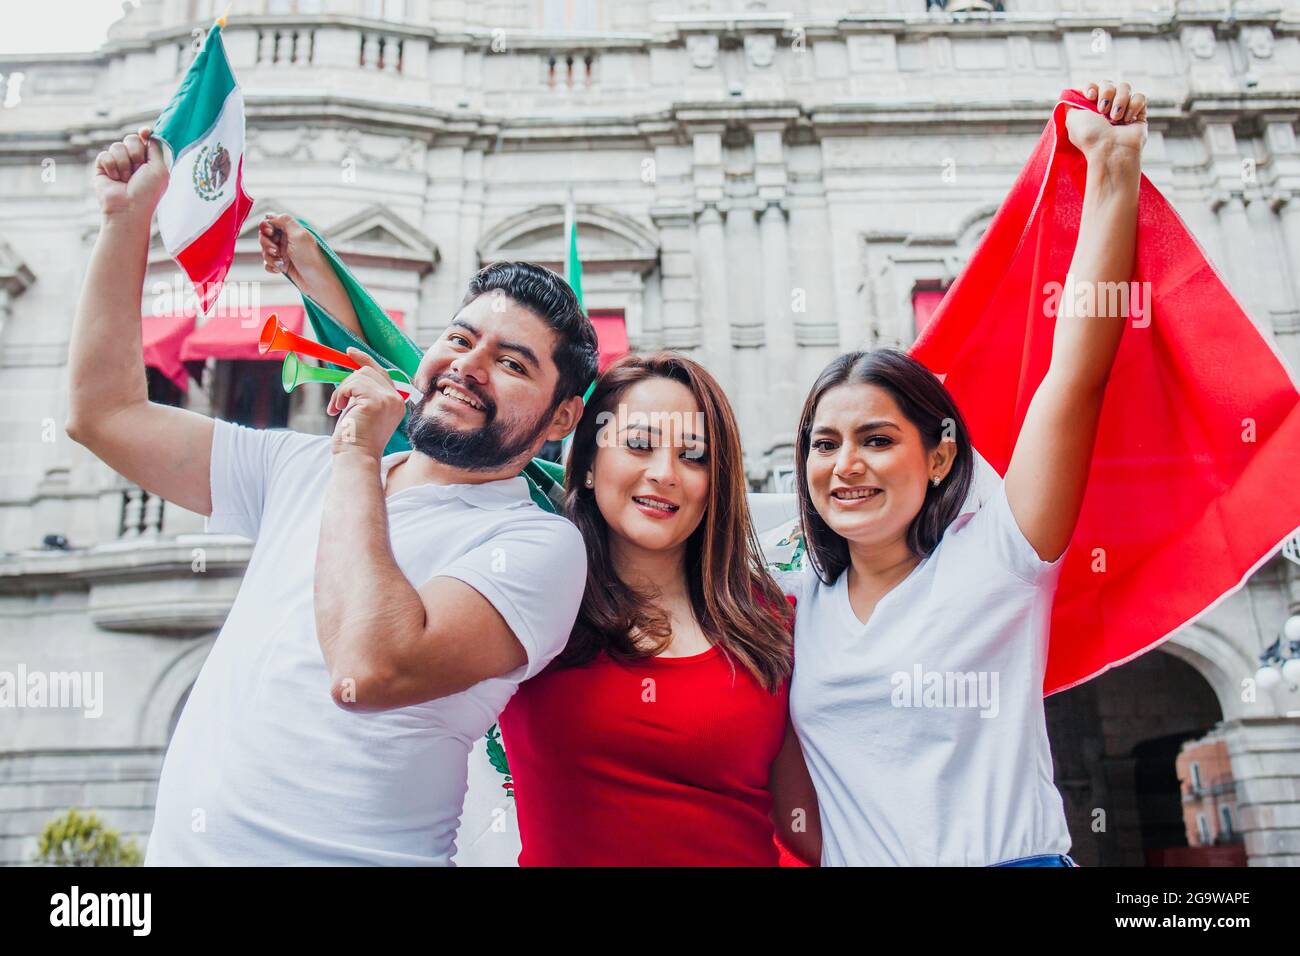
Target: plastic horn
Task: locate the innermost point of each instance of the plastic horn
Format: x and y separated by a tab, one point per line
296	372
276	338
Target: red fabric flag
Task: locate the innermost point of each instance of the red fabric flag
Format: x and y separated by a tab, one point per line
1193	482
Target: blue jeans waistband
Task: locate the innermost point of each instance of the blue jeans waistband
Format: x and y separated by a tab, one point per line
1042	859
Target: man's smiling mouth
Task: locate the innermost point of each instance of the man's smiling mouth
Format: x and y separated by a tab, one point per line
451	391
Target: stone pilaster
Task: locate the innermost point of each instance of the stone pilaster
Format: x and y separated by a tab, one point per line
677	279
711	245
1265	755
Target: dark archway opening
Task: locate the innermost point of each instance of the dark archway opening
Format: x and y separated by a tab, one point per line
1115	742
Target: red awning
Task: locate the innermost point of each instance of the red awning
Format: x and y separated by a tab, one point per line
611	335
233	333
163	336
924	302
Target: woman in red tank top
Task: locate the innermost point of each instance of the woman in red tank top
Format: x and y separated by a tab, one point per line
661	735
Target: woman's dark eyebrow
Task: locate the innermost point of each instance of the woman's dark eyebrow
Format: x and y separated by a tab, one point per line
655	433
865	427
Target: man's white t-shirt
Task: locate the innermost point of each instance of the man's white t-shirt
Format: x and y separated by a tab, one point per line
924	730
264	768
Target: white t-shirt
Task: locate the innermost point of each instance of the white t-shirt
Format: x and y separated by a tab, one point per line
924	730
264	768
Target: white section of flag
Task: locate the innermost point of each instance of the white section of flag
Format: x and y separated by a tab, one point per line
184	215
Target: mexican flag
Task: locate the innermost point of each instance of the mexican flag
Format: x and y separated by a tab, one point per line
202	135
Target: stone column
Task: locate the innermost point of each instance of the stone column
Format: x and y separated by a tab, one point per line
1236	184
1288	211
1270	261
471	227
812	297
1199	214
1265	754
677	279
745	318
283	46
783	398
712	260
370	51
442	288
708	181
1246	283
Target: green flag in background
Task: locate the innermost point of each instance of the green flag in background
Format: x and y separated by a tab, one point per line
573	276
393	348
572	264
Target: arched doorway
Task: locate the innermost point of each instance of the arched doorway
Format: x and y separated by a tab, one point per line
1115	742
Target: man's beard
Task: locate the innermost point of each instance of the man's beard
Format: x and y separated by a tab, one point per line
486	448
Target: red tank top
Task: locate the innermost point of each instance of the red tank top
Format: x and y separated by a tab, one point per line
658	762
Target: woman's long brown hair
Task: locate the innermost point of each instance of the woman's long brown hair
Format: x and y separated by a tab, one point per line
735	600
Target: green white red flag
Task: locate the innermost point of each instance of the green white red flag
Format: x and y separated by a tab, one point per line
202	134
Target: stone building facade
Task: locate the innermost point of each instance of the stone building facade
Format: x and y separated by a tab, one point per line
760	184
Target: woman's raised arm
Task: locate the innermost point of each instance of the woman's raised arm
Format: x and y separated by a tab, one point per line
1048	473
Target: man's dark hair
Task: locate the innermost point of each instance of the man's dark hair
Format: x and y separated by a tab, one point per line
549	297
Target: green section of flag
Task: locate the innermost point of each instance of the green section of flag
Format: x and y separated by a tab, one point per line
573	265
393	348
384	339
197	104
573	276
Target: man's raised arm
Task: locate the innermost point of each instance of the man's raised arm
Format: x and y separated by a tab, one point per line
288	248
165	450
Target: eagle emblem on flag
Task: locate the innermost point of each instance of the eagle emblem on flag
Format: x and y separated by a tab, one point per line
211	170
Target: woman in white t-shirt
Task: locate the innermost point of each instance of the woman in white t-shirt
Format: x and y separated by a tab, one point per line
921	627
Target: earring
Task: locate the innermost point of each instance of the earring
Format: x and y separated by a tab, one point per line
589	483
934	480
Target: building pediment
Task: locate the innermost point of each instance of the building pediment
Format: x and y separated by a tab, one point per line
607	240
378	234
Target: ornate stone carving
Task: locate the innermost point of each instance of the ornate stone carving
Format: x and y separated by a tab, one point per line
401	152
703	51
1259	41
281	144
1199	42
760	50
